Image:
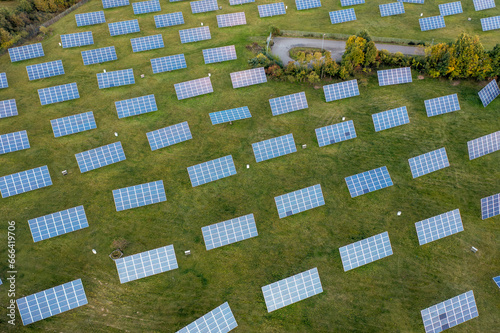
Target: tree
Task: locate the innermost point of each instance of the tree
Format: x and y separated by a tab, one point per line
371	53
495	61
467	58
313	77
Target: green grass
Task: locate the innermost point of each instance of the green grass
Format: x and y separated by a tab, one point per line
385	296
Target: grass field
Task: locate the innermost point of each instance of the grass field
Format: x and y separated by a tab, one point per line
384	296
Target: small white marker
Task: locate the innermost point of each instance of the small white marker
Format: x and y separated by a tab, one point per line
116	134
142	76
201	23
421	14
469	19
94	251
188	252
104	70
343	118
399	213
248	166
60	44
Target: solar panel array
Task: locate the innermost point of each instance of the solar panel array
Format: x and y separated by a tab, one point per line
168	136
441	105
484	145
211	171
46	69
439	226
114	3
51	302
77	39
168	20
73	124
98	56
248	77
230	231
483	4
25	181
365	251
428	162
147	43
450	8
203	6
335	133
139	195
275	147
239	2
497	281
116	78
225	116
90	18
413	1
58	223
195	34
123	27
14	141
272	9
307	4
8	108
288	103
231	20
345	3
144	7
100	157
390	9
299	201
292	289
219	54
368	181
146	263
220	320
394	76
193	88
432	23
490	206
489	93
169	63
136	106
3	81
26	52
391	118
341	16
490	23
341	90
58	94
449	313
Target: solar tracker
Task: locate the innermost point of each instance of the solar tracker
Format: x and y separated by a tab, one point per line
100	157
51	302
25	181
195	34
345	3
212	170
450	8
341	16
275	147
484	145
73	124
77	39
139	195
489	93
231	20
115	79
226	116
169	63
193	88
3	81
292	289
146	263
368	181
168	20
219	320
14	141
394	76
114	3
8	108
439	226
490	206
98	56
449	313
92	18
26	52
203	6
365	251
490	23
428	162
147	43
248	77
272	9
497	281
483	4
308	4
239	2
341	90
413	1
58	94
335	133
168	136
390	9
391	118
230	231
299	201
136	106
288	103
58	223
123	27
219	54
432	23
145	7
441	105
46	69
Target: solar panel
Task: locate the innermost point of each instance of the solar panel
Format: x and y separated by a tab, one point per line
432	23
203	6
490	206
248	77
497	281
489	93
8	108
147	43
169	63
394	76
450	8
272	9
483	4
390	9
123	27
231	20
341	16
490	23
25	181
307	4
299	201
391	118
484	145
441	105
193	88
136	106
144	7
77	39
219	54
51	302
146	263
449	313
114	3
195	34
275	147
368	181
3	81
341	90
226	116
168	136
139	195
428	162
92	18
168	20
58	223
26	52
98	56
14	141
100	157
230	231
288	103
439	226
345	3
115	79
58	94
292	289
219	320
239	2
211	171
413	1
73	124
47	69
335	133
365	251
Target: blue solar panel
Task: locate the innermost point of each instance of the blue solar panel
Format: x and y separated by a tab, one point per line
77	39
239	2
341	90
391	118
484	145
115	79
275	147
211	171
47	69
73	124
432	23
394	76
114	3
341	16
8	108
490	23
195	34
497	281
483	4
146	263
413	1
299	201
272	9
26	52
193	88
51	302
390	9
345	3
136	106
203	6
449	313
288	103
428	162
3	81
169	63
147	43
168	20
368	181
441	105
230	231
450	8
168	136
231	20
219	320
58	223
219	54
98	56
100	157
58	94
489	93
90	18
123	27
490	206
439	226
307	4
248	77
144	7
25	181
14	141
365	251
139	195
335	133
226	116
